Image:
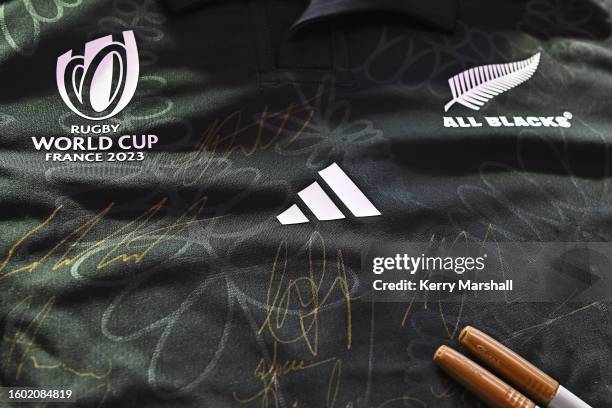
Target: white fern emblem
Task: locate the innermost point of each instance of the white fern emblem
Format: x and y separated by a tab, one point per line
476	86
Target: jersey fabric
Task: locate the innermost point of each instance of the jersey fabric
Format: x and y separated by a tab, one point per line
166	280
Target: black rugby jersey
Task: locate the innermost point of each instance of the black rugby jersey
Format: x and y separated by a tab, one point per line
189	190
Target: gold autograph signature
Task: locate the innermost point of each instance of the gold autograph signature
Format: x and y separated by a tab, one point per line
310	293
129	243
311	296
225	135
270	373
23	345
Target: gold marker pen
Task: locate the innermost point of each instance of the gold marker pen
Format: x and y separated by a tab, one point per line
480	382
518	371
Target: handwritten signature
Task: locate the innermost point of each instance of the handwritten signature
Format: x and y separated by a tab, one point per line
129	243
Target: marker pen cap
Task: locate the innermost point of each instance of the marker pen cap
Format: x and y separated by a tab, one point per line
480	382
514	368
565	399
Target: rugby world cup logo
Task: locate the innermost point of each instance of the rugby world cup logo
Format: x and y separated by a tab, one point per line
100	83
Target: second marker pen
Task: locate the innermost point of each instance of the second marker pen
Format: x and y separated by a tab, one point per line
518	371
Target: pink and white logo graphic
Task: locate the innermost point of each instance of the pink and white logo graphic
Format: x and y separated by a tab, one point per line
100	83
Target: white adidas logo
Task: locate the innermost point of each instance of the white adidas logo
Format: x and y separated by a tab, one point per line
322	206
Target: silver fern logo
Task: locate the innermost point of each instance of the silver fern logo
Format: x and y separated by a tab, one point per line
476	86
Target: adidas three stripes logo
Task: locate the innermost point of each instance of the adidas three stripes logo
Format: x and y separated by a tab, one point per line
322	206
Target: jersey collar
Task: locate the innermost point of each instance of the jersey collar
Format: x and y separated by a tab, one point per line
439	13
